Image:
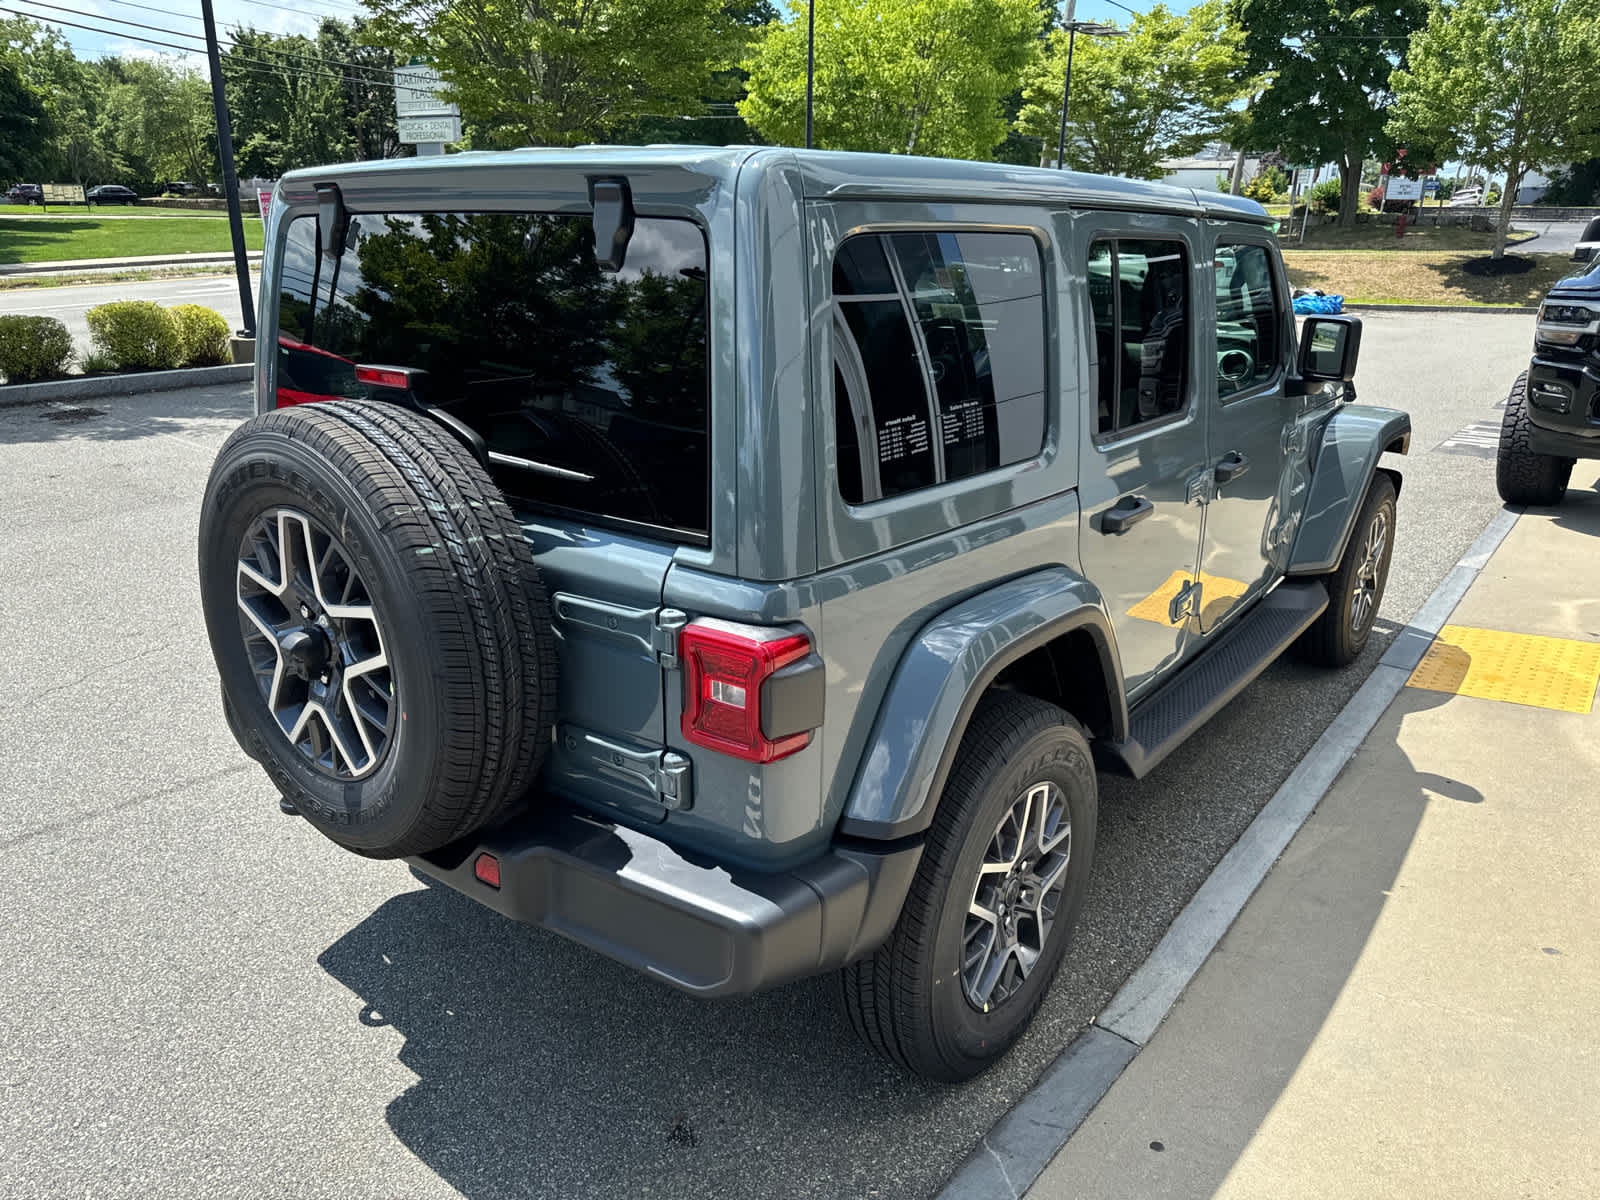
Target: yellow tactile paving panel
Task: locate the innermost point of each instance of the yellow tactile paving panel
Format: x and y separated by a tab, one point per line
1520	668
1157	606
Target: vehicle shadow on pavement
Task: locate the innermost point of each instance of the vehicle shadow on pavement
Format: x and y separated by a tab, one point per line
126	418
1230	1049
546	1070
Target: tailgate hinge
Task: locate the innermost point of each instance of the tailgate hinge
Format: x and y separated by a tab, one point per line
664	635
672	782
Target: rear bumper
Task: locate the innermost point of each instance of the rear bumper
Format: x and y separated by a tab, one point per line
700	927
1563	408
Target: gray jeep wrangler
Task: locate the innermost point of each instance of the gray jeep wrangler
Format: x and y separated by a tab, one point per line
741	561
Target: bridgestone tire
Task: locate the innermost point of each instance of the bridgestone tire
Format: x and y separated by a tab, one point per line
465	620
1522	476
908	1001
1332	640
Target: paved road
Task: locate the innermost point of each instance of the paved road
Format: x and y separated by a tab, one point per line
1554	237
68	304
200	997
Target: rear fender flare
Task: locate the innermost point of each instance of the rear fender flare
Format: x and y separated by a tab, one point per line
940	679
1347	457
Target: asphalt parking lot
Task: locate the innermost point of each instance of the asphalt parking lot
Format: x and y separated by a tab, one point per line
200	997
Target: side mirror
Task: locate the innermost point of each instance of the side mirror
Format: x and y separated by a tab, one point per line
1329	347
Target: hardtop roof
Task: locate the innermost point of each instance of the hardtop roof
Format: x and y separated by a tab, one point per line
834	174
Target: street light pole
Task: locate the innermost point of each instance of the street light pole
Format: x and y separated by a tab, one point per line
230	180
1074	28
1066	99
811	61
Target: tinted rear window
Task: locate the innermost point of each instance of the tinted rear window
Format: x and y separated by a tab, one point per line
590	387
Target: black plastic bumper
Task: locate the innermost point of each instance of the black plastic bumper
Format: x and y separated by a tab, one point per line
690	923
1564	408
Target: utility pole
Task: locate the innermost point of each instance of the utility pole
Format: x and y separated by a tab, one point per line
230	180
811	61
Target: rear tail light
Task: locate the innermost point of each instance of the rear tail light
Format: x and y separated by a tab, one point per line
724	668
385	377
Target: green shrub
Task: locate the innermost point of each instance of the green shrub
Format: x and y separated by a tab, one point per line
136	334
1326	196
204	333
33	348
96	362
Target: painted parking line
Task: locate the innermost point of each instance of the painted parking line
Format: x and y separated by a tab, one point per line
1481	439
1519	668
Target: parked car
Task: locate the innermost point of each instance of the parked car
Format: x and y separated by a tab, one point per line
112	193
1465	197
25	193
1588	247
179	187
740	561
1552	415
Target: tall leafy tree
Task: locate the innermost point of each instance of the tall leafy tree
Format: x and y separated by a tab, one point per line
24	127
1329	62
1508	84
895	76
560	72
158	118
1162	91
71	93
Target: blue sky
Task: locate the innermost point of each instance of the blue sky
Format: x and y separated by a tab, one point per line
176	22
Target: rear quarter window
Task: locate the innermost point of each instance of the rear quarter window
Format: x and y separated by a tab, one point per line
590	388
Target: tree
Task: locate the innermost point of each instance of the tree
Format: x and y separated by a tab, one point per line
1508	84
159	119
560	72
897	76
24	129
1328	62
1162	91
70	93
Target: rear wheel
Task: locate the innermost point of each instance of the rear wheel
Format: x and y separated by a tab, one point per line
381	634
991	910
1521	475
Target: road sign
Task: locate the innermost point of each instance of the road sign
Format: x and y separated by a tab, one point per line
416	94
1307	176
417	130
264	199
63	193
1401	188
1430	187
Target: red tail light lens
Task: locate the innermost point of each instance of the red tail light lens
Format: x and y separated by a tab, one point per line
724	668
384	377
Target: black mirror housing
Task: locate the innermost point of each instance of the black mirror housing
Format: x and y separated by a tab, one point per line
1329	347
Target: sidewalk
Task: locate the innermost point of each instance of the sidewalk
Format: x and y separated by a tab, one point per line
123	264
1408	1004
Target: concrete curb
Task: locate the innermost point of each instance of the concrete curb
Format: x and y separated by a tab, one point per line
1491	309
134	263
15	395
1011	1156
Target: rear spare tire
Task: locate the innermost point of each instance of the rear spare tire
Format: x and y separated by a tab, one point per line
379	626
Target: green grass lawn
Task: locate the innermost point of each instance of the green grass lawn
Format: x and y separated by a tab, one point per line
72	238
148	208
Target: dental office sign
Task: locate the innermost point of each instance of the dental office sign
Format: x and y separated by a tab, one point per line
425	120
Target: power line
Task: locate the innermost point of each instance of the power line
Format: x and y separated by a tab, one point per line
235	51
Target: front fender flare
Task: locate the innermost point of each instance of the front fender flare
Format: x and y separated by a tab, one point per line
1347	457
947	667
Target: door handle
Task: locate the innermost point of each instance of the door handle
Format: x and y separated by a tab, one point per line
1125	513
1232	466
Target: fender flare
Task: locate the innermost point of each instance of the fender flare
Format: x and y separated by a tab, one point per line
1347	458
942	675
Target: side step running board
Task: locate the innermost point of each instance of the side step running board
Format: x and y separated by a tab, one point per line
1221	671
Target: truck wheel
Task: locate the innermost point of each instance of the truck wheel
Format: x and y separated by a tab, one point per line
1355	588
991	910
1522	476
380	629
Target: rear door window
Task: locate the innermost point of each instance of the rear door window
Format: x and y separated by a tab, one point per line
941	370
1139	294
590	388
